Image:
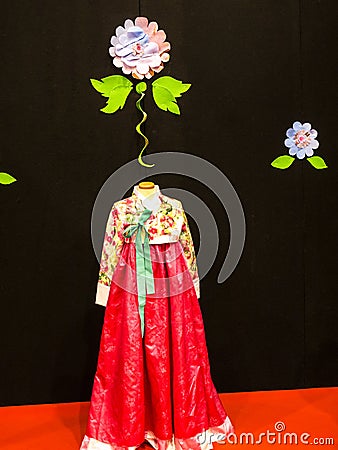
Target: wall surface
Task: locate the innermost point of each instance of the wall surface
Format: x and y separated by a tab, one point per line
255	68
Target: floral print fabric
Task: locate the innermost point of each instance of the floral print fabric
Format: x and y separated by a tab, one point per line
168	223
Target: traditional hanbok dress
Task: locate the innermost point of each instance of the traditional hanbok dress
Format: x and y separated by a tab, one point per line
153	380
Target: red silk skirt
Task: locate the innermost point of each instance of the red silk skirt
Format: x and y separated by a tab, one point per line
156	388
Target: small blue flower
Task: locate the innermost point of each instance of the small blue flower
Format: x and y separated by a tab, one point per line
301	140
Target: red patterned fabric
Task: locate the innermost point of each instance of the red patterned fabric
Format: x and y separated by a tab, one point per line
159	386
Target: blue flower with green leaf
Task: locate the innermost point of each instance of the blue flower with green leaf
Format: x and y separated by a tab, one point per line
301	142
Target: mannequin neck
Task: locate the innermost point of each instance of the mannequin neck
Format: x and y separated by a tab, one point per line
147	188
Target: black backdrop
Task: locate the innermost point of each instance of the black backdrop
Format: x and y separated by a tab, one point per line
255	68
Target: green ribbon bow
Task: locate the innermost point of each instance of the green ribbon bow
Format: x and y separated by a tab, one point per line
144	270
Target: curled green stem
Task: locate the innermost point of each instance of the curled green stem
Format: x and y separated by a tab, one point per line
140	88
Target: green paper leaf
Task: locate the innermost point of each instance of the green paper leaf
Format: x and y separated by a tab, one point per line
317	162
116	88
5	178
166	90
282	162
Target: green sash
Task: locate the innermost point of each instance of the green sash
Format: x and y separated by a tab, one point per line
144	270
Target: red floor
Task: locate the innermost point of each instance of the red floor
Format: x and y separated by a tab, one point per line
61	426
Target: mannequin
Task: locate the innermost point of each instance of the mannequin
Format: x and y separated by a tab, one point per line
146	187
153	360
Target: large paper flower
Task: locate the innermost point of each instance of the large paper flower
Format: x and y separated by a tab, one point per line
301	140
139	48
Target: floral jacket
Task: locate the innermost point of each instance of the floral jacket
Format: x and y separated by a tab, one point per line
167	223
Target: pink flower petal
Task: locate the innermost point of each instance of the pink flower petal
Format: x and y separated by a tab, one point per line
152	61
158	69
122	51
165	57
117	62
141	22
114	40
126	70
124	39
152	28
112	51
119	30
128	23
142	67
164	47
130	62
159	37
151	49
137	75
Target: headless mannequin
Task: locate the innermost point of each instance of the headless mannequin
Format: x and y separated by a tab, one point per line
146	188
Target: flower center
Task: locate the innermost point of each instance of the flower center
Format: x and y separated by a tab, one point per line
302	138
137	49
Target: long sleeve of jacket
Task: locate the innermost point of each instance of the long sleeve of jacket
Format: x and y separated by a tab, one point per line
111	249
186	241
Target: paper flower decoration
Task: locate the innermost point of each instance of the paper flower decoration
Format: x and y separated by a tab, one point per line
140	49
6	178
301	142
